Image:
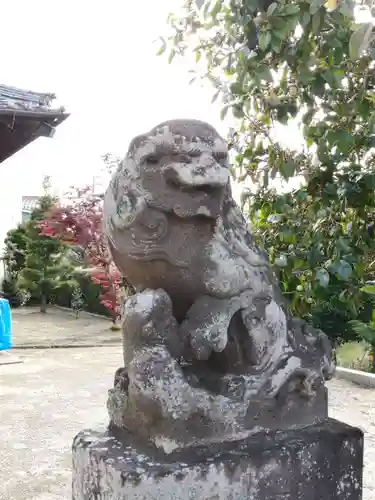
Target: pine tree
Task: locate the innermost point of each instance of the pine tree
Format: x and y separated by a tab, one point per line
15	248
47	267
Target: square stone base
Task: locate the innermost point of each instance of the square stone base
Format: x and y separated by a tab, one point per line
318	462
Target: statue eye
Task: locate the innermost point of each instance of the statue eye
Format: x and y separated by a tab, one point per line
152	159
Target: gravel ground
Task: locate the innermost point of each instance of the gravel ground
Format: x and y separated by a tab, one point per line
60	328
44	402
55	393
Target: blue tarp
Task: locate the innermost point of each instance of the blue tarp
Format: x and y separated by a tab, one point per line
5	325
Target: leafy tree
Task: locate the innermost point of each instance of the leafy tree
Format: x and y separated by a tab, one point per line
47	267
17	239
9	290
46	204
79	224
298	63
15	248
14	258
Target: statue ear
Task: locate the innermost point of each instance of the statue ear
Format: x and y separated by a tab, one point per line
137	143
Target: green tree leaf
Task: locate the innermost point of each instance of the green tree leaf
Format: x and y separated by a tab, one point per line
322	276
344	270
360	40
171	56
281	261
271	9
289	10
264	40
163	47
364	331
216	8
264	73
317	21
370	289
238	111
288	169
224	111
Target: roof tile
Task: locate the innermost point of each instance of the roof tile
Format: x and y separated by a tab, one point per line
27	100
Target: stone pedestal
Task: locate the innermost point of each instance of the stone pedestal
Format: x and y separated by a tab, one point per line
317	462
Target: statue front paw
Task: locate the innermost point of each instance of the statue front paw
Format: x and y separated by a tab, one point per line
149	321
206	325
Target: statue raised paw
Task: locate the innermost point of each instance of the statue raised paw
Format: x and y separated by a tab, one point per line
210	351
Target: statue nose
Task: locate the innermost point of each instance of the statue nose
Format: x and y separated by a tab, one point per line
197	177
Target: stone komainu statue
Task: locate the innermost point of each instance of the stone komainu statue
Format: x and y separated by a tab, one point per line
210	351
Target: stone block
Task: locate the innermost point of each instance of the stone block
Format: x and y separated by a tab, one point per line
317	462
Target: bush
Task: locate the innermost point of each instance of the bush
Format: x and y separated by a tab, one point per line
91	294
11	292
354	355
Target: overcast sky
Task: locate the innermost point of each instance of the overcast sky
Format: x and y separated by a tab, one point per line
98	57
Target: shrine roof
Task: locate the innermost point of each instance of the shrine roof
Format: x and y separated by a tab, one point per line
26	115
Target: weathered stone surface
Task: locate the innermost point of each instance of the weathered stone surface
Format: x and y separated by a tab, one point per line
318	462
210	350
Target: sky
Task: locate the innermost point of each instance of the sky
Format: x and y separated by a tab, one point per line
100	60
